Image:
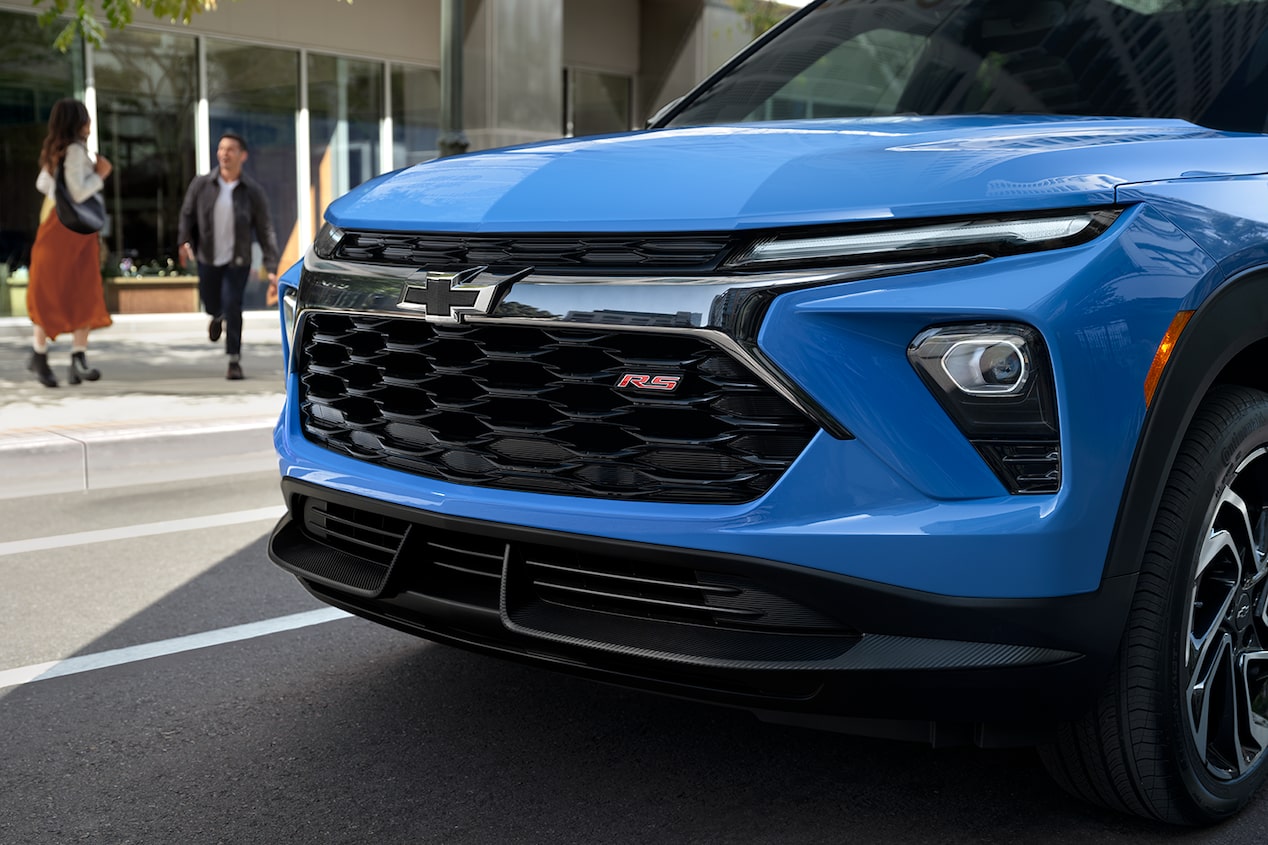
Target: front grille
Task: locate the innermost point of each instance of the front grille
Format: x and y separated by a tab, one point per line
354	548
666	593
455	566
1025	467
627	602
538	410
610	253
637	606
376	538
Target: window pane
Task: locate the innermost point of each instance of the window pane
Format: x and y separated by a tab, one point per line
345	105
600	103
33	76
864	76
254	92
146	89
415	114
1196	60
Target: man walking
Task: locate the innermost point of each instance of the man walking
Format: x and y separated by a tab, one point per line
220	213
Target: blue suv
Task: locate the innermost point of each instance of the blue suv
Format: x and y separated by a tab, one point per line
906	377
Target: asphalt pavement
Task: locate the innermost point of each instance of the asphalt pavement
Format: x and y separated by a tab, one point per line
161	411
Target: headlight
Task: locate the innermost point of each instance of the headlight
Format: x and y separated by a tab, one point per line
327	241
995	382
987	366
981	237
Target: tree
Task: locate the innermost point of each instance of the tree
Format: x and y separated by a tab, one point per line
761	15
118	14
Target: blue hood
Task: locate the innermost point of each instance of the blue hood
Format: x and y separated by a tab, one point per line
748	176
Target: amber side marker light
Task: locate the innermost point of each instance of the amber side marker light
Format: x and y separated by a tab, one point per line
1164	353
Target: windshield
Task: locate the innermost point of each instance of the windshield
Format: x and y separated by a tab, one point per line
1205	61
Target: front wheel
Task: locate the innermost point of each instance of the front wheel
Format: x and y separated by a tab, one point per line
1180	732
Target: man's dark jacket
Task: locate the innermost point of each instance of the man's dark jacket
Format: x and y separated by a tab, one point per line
250	211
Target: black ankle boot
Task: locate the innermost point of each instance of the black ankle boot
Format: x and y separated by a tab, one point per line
39	366
79	369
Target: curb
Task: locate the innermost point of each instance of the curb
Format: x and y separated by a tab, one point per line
42	459
129	326
49	461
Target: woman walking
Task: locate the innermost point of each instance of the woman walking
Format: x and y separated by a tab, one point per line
64	293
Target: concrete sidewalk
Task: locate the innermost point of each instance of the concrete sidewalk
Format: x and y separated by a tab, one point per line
162	410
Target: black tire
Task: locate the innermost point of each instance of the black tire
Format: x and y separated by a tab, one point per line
1180	732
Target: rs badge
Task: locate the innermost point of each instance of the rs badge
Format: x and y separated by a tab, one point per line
646	381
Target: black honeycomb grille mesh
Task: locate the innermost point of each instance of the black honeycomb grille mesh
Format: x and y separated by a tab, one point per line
537	409
614	253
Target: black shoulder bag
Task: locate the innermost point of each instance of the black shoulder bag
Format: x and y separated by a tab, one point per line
83	217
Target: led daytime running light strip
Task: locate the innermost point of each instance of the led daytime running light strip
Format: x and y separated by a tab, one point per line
923	237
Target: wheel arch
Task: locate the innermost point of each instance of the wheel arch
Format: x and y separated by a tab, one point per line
1225	342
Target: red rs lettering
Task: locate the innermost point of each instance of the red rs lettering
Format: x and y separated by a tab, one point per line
642	381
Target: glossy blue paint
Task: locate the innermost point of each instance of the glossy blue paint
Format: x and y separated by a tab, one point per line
949	553
290	276
838	509
784	174
908	502
1102	308
1227	217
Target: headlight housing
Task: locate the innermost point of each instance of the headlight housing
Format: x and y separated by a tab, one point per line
327	240
895	242
995	382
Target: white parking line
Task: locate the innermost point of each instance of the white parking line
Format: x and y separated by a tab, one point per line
171	526
115	657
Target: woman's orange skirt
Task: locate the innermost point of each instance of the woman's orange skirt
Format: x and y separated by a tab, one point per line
64	290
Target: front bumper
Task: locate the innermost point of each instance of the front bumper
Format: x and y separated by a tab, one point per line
791	643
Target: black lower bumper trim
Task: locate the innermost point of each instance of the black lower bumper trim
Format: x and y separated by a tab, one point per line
809	647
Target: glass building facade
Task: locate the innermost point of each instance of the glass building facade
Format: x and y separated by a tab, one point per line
33	76
161	100
146	90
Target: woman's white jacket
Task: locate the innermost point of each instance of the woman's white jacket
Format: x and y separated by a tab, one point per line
82	180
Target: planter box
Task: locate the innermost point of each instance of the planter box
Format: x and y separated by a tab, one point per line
13	301
133	295
151	294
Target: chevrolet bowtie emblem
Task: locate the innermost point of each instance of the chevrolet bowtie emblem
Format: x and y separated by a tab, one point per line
448	297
